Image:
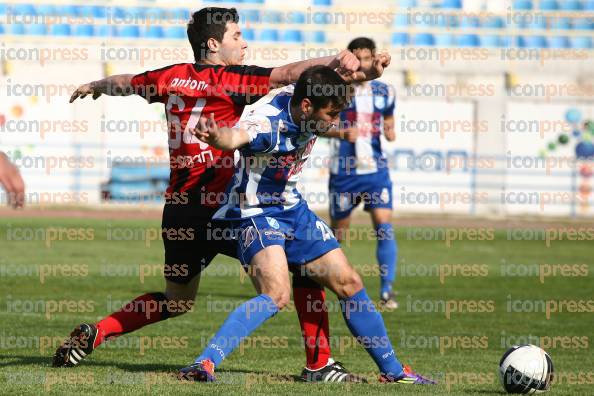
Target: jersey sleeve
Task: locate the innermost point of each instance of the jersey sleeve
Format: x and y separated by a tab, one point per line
150	85
246	84
390	101
263	133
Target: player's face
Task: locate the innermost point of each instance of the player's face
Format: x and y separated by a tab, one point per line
326	118
233	46
366	57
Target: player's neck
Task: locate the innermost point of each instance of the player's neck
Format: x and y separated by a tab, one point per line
211	61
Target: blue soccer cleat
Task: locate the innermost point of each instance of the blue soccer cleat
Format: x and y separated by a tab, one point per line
203	371
409	377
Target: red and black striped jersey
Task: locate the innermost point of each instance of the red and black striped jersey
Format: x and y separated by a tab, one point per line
189	91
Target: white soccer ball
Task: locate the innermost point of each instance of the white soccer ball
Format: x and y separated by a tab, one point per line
526	369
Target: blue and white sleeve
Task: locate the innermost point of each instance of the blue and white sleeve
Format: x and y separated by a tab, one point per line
263	134
390	101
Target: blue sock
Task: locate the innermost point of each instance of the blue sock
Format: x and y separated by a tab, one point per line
367	325
239	324
387	254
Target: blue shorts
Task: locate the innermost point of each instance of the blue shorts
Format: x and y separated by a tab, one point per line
346	192
301	233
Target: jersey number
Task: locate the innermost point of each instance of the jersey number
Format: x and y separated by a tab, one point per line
175	135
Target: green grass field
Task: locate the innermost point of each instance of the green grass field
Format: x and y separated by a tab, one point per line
48	287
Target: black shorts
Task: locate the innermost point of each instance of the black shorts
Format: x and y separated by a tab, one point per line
191	240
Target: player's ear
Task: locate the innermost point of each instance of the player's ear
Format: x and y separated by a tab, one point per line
213	45
306	107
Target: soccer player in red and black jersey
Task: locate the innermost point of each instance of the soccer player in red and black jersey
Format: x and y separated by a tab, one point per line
216	84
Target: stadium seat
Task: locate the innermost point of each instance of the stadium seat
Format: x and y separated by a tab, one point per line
400	20
522	4
3	9
424	39
400	38
252	16
451	4
322	2
408	3
45	10
570	5
490	41
17	29
252	1
67	10
175	32
22	9
154	32
272	17
93	11
61	29
268	35
493	23
444	40
105	31
36	29
178	14
536	22
581	42
84	30
296	17
155	13
1	29
558	42
560	23
292	36
248	34
129	31
321	18
317	37
532	42
583	23
589	5
469	22
468	40
549	5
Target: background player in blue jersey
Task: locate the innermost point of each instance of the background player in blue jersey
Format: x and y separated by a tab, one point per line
276	228
359	170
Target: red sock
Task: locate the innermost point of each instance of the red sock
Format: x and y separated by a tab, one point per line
313	318
143	310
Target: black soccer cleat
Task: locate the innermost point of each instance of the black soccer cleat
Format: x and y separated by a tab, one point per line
77	347
331	372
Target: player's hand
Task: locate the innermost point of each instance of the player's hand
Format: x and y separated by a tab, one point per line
11	180
84	90
350	134
207	130
380	62
347	63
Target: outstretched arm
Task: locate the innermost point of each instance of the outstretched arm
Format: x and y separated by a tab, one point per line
118	85
221	138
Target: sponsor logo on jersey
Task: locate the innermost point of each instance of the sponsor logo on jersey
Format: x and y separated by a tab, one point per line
272	223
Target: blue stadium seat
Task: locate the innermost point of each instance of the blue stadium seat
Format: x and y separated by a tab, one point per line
134	12
67	10
522	4
296	17
468	40
536	22
408	3
250	16
178	14
424	39
175	32
268	35
252	1
61	29
154	32
17	29
322	2
469	22
589	5
444	40
105	31
558	42
560	23
118	12
248	34
321	18
84	30
292	36
451	4
581	42
583	23
93	11
532	42
3	9
317	37
549	5
36	29
400	20
45	10
570	5
1	29
22	9
400	38
490	41
272	17
129	31
493	23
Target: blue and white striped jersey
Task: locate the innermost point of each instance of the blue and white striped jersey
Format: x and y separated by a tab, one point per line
372	101
266	175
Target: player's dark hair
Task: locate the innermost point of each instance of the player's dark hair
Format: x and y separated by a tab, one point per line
209	22
362	43
322	86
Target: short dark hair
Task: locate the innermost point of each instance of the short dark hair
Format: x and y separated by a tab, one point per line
362	43
322	86
209	22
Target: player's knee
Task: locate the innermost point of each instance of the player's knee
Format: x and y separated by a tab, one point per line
350	285
280	298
